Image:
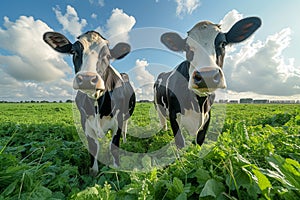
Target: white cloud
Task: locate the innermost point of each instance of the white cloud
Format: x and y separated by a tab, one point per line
142	80
229	19
31	58
94	16
30	69
27	58
70	21
186	6
118	26
260	66
99	2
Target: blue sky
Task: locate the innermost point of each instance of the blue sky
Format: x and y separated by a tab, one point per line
265	66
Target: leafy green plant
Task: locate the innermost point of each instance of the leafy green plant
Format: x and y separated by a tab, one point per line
256	157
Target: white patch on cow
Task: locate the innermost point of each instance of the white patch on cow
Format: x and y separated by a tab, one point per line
93	130
97	128
116	72
162	118
90	59
109	123
93	123
124	130
201	40
192	121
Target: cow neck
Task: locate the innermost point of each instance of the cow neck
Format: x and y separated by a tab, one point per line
183	69
111	78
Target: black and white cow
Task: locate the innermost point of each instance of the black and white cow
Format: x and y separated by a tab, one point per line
105	97
186	94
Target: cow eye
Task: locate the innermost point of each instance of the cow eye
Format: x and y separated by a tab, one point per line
223	44
73	52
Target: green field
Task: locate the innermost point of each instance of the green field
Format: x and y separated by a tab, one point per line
256	157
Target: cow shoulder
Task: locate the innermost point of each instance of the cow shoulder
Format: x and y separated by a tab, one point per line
105	105
179	95
160	92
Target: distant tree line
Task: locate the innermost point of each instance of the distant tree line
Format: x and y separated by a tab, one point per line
42	101
259	101
242	100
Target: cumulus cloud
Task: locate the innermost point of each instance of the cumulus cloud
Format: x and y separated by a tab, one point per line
26	73
230	19
260	66
118	26
142	80
70	21
24	62
186	6
115	30
94	16
27	59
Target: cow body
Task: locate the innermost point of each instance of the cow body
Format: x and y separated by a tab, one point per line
186	94
105	97
183	107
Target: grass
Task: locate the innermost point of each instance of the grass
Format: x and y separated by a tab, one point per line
256	156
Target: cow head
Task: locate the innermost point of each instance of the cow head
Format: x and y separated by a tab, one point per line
91	57
205	50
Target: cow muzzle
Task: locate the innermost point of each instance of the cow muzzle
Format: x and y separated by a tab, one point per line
89	83
208	79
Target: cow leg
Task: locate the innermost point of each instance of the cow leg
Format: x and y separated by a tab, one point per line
115	143
114	147
201	134
162	117
179	140
93	146
124	130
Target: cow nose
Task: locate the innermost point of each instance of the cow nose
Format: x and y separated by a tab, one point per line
87	81
207	77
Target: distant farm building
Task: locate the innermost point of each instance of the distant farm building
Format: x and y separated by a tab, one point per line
260	101
284	101
234	101
223	101
246	100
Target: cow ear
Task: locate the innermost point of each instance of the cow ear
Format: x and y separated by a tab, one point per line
243	29
173	41
120	50
58	42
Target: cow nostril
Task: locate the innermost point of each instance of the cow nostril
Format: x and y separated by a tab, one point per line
197	76
79	79
94	80
217	77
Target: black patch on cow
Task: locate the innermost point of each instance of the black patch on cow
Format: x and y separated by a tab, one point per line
220	43
178	89
161	91
77	52
105	105
89	32
119	95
